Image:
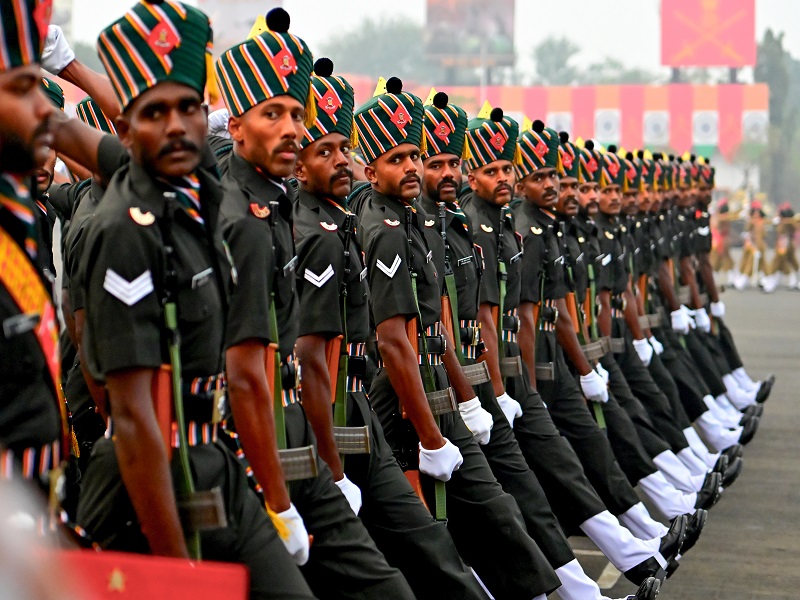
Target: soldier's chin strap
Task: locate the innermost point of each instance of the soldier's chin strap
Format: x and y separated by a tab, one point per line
429	382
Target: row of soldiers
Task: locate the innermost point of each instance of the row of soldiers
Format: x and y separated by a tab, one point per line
412	386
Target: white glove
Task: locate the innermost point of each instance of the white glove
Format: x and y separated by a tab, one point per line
690	315
218	123
657	346
510	407
702	320
56	54
644	350
594	388
440	463
602	372
680	320
478	420
351	492
292	531
718	309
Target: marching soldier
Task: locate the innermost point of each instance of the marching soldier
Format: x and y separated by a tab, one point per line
334	324
269	100
33	440
154	272
753	264
411	392
785	262
491	139
455	256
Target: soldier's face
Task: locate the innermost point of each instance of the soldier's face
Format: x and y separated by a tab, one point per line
685	197
630	202
704	194
645	200
494	182
324	167
568	197
25	136
45	172
397	173
268	135
165	129
442	178
541	187
588	198
609	200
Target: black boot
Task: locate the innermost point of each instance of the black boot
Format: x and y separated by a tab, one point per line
709	494
732	473
694	528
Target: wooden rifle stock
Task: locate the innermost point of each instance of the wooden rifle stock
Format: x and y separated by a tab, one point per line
161	391
333	351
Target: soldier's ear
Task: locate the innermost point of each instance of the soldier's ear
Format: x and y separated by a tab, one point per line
471	180
300	172
123	126
369	173
235	129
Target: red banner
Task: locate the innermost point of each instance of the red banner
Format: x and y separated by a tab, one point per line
708	33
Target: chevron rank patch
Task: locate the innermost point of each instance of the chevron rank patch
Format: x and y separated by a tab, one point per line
389	271
321	279
128	292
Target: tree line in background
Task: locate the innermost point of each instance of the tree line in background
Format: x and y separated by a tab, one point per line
397	47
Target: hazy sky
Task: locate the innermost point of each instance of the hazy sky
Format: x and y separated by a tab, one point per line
624	29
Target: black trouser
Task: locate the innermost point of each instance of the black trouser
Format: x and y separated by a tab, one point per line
344	561
691	386
485	522
706	363
550	456
645	389
728	345
403	529
105	511
652	442
571	416
512	471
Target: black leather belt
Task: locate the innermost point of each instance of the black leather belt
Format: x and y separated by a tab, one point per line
470	336
357	366
437	344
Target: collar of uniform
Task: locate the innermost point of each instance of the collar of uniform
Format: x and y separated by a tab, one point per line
393	205
321	206
492	211
604	221
257	187
432	208
537	214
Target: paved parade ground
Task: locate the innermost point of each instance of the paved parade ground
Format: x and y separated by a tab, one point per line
750	549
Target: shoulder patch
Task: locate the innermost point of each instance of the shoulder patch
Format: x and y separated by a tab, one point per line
128	292
321	279
389	271
391	222
537	230
141	218
260	212
328	226
430	223
609	235
487	228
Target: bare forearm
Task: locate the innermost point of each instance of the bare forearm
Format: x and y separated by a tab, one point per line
527	338
707	273
489	337
604	315
632	314
403	371
251	404
76	140
689	278
665	286
95	85
317	402
458	380
565	334
143	465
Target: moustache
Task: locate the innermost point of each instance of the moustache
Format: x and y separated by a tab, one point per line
570	200
503	187
178	145
551	193
342	172
412	178
446	182
287	146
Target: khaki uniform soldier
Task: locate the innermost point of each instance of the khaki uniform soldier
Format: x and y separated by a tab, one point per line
266	83
154	274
